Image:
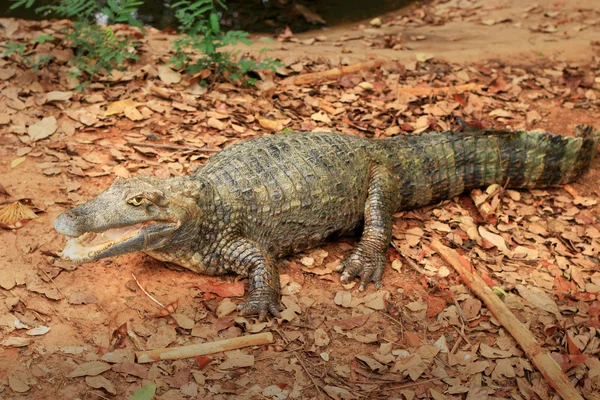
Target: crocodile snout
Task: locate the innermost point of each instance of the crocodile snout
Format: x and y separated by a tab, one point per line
66	223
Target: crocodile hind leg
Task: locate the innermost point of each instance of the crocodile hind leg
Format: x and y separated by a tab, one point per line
244	255
367	260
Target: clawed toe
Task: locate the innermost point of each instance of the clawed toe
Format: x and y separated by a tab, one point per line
368	266
261	303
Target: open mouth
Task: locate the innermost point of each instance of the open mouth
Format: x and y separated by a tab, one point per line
94	245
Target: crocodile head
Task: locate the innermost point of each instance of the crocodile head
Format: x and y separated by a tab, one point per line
134	214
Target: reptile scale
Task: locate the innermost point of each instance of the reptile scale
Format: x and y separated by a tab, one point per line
268	197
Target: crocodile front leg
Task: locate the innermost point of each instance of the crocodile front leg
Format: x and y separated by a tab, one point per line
246	257
367	260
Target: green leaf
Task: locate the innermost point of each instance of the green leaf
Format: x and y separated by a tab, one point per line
42	39
144	393
214	22
18	48
21	3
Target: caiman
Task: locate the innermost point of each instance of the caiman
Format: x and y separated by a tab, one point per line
268	197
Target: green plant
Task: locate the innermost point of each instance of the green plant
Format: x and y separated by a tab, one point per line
16	48
199	20
32	62
98	50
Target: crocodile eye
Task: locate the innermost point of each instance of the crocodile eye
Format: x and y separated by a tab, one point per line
136	201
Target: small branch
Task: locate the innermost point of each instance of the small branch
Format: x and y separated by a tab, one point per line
146	293
387	378
172	147
483	206
539	357
312	379
54	283
329	75
412	264
424	91
571	190
413	384
177	353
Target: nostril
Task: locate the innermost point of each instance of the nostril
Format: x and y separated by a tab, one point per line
70	215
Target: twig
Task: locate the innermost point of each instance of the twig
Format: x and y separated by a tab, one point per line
424	91
310	376
172	147
483	206
550	370
98	394
457	343
299	358
408	385
146	293
54	283
571	190
176	353
410	262
396	321
331	74
387	378
462	335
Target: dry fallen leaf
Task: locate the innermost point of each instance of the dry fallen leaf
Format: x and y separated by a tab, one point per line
17	161
17	385
168	76
58	96
119	107
164	336
42	129
99	381
237	359
90	368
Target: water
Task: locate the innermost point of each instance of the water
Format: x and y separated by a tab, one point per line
255	15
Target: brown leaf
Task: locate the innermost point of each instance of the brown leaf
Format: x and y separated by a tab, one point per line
17	385
202	361
99	381
567	361
82	298
130	368
167	75
435	305
321	337
42	129
89	369
164	336
168	309
237	359
58	96
119	107
216	123
352	322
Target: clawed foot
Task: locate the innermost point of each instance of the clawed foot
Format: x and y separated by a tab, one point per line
261	301
367	265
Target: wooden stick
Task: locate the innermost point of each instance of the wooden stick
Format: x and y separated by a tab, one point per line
485	208
331	74
172	147
424	91
146	293
176	353
538	356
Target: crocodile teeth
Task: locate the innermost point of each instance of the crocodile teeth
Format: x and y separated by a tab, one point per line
89	244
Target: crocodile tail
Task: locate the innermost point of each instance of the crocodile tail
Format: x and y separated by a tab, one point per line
441	165
541	159
589	146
